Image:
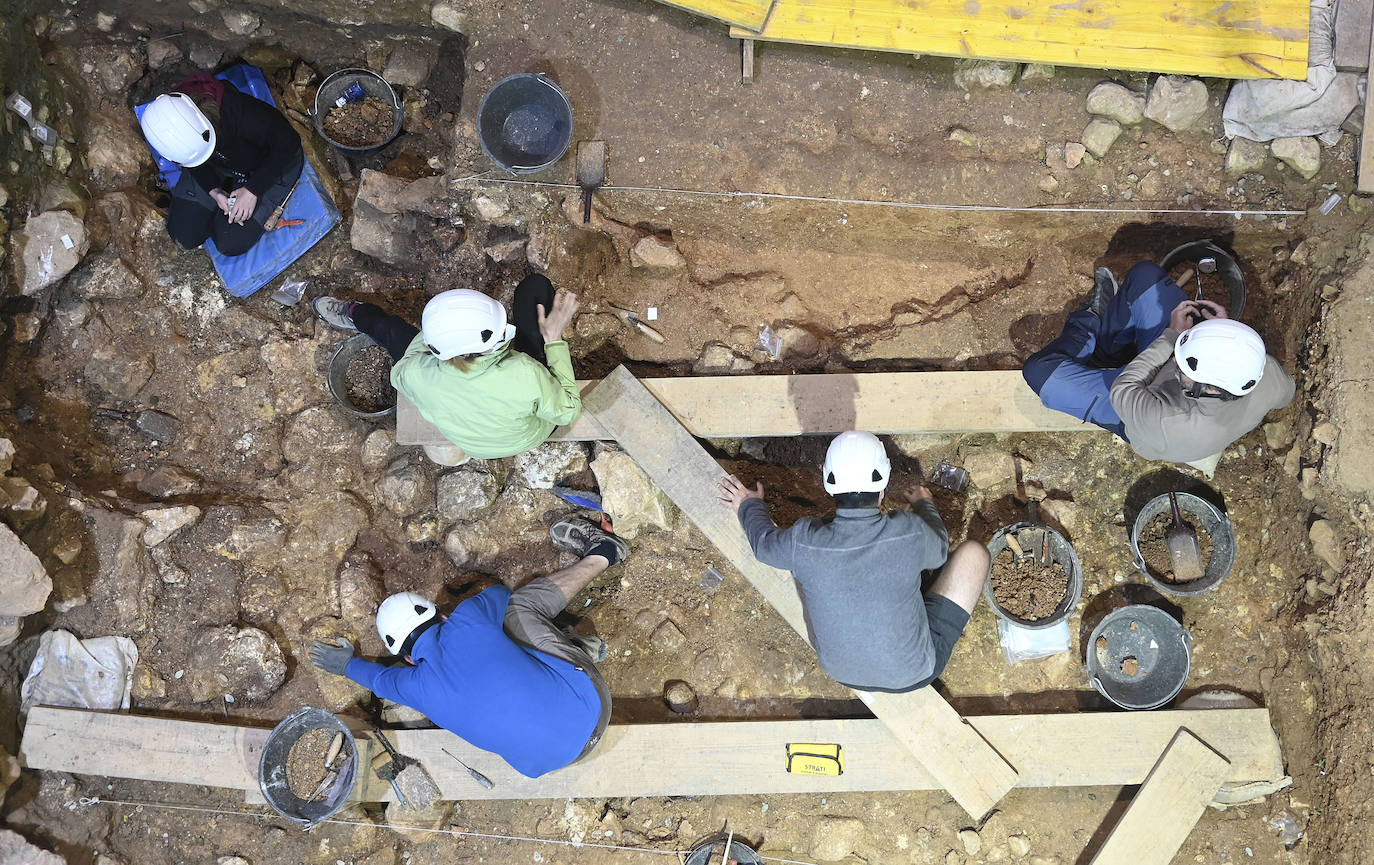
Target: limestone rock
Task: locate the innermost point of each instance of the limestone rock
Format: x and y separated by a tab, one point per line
405	488
115	150
165	522
1151	186
360	589
798	341
680	697
163	52
464	493
717	357
1303	155
107	277
1100	135
377	449
243	662
110	66
1037	71
22	498
380	227
48	248
1244	156
408	66
546	465
505	251
1117	102
1073	154
833	837
119	374
1326	543
1020	845
1176	102
16	850
24	583
470	545
985	74
168	481
9	772
240	23
6	455
147	685
633	501
989	468
449	15
668	635
124	581
972	841
656	253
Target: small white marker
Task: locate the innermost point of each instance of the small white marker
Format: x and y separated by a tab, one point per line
652	314
67	241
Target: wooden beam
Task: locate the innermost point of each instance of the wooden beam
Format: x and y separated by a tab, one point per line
746	55
1167	806
736	406
1247	39
961	760
1353	18
748	14
1364	181
679	759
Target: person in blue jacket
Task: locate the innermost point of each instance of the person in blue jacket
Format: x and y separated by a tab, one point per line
497	671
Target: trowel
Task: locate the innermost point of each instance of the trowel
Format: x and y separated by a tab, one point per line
1184	552
591	173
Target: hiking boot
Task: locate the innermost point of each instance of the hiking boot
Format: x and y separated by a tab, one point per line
334	312
586	538
1104	291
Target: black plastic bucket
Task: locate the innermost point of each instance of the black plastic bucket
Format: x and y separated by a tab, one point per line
338	376
1059	550
334	86
1227	268
1206	517
711	852
1139	657
525	123
272	767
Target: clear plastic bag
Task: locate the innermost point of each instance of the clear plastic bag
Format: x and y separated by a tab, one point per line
1024	644
291	292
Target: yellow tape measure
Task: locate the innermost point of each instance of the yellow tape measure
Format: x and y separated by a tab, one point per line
814	759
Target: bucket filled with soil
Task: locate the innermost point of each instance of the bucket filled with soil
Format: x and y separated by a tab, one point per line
357	111
1035	580
713	852
1220	281
295	773
1151	550
360	378
1139	657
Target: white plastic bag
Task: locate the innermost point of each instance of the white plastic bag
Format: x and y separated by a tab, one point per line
89	674
1023	644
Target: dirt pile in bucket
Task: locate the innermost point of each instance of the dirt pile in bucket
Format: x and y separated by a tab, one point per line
369	380
1026	589
1155	550
305	764
360	124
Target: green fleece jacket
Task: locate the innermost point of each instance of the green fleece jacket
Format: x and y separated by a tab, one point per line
503	404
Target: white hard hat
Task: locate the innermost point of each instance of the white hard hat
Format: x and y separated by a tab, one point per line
1223	353
178	130
399	616
463	321
856	463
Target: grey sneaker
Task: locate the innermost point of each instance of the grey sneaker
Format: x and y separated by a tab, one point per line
593	646
334	312
580	536
1104	291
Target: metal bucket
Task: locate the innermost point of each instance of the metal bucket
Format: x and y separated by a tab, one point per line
334	86
1206	516
338	376
272	767
1161	649
711	852
525	123
1060	550
1227	268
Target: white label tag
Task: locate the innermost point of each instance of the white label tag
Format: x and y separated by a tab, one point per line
67	241
653	313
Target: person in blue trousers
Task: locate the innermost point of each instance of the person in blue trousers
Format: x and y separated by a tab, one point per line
1074	373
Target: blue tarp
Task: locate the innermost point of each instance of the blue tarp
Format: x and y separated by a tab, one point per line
245	274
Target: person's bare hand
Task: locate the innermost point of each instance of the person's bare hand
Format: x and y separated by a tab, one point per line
1184	315
552	325
734	493
915	493
221	199
245	202
1210	309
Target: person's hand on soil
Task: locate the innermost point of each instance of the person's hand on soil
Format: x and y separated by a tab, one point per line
1210	309
734	493
915	493
1184	315
331	658
557	321
245	202
221	199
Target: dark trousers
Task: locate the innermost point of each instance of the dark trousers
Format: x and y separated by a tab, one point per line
395	334
1075	372
193	216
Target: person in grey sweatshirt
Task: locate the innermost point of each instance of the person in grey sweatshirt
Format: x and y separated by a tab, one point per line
859	574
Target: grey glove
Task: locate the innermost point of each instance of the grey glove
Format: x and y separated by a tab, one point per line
332	659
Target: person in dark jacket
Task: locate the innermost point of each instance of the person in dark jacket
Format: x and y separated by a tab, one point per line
240	160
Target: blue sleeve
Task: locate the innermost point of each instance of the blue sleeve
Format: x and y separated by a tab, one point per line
771	545
489	605
398	684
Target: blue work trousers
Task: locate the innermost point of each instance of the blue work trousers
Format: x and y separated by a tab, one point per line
1074	374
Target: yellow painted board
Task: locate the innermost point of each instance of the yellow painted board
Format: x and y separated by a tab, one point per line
1238	39
747	14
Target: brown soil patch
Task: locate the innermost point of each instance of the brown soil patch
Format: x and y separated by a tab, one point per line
1155	550
305	763
359	124
369	380
1028	590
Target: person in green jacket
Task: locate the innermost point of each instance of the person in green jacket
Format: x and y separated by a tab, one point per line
493	389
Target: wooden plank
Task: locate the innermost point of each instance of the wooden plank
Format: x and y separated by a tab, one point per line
1353	30
748	14
680	759
1242	39
1365	178
733	406
961	760
746	56
1168	804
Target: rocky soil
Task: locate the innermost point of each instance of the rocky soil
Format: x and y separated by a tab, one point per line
175	471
